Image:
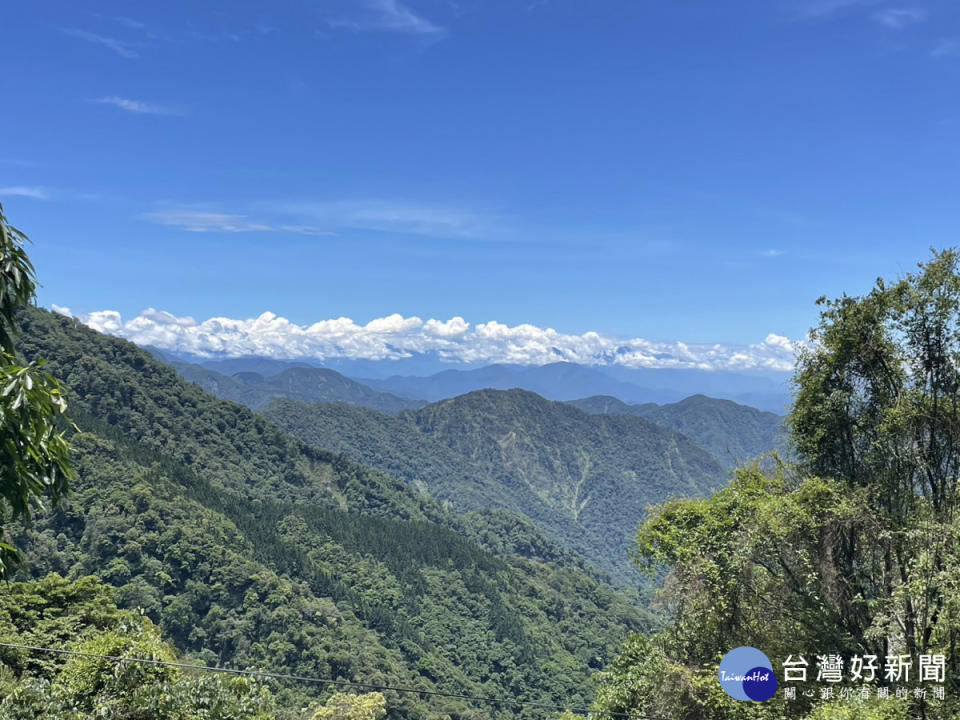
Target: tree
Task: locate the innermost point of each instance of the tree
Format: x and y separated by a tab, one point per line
344	706
78	616
852	549
878	409
34	454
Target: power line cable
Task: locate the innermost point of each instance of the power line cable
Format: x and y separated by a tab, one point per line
316	680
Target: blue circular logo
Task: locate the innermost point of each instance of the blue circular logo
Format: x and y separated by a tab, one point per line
746	674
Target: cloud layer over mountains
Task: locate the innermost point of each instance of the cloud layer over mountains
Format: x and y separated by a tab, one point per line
455	340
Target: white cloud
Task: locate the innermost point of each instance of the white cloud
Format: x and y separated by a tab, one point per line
772	253
890	17
456	340
325	218
198	221
303	230
136	106
780	341
896	18
825	8
130	22
399	18
384	16
37	193
203	221
106	321
401	217
120	47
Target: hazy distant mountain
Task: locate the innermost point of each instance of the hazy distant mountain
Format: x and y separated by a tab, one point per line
769	391
306	384
732	433
418	377
420	364
268	367
569	381
557	381
777	403
706	382
585	480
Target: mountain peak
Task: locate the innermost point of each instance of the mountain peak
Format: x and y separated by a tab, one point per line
585	480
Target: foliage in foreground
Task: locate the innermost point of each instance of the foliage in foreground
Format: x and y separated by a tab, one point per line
34	460
855	551
343	706
80	617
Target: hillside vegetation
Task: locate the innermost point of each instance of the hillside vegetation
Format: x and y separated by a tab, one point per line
732	433
853	551
248	548
584	480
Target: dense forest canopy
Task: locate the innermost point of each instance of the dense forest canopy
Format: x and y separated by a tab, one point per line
248	548
734	434
584	480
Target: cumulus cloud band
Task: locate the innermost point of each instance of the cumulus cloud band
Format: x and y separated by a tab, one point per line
395	337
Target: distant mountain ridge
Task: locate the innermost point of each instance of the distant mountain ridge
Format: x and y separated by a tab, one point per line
418	378
732	433
557	381
569	381
585	480
303	383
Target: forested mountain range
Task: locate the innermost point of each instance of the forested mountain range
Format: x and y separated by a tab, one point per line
489	449
585	480
249	548
732	433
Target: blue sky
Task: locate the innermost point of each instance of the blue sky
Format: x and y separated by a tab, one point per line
683	171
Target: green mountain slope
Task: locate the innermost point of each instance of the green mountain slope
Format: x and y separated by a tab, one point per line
305	384
585	480
251	549
730	432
